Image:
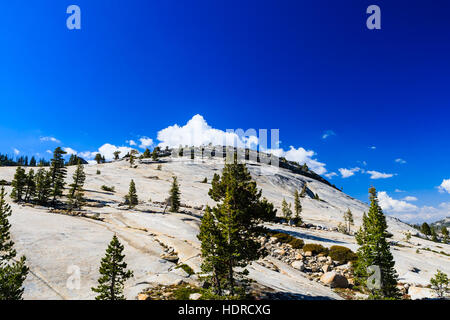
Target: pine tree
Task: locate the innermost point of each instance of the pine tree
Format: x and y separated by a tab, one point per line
440	283
114	273
98	158
12	273
239	214
155	154
58	173
76	195
348	218
30	186
43	186
374	250
116	155
146	154
303	192
297	208
286	210
425	229
33	162
212	251
131	198
444	232
174	195
18	184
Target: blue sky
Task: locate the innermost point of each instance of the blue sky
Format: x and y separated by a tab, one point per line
308	68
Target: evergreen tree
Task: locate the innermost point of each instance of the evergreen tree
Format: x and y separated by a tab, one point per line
239	214
30	186
440	283
18	184
303	191
132	157
98	158
212	251
374	250
76	195
146	154
43	186
286	210
425	229
114	273
12	273
155	154
33	162
131	198
348	218
116	155
434	235
58	173
444	232
297	207
174	195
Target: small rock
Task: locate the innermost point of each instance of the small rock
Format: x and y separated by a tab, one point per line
299	265
195	296
334	280
308	254
143	296
326	268
417	293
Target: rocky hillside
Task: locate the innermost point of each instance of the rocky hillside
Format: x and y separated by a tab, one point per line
157	244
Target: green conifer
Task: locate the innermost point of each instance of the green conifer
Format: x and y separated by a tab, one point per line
43	186
58	173
76	194
131	198
114	273
174	195
12	272
18	185
297	208
374	250
30	186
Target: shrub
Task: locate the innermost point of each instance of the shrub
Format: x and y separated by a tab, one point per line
109	189
342	254
186	268
286	238
98	172
296	243
205	180
315	248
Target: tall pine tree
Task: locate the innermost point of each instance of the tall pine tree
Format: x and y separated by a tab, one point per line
237	217
374	250
43	186
131	198
12	273
58	173
30	186
297	208
19	184
114	273
174	197
76	195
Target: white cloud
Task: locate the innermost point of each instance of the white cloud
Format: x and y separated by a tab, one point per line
373	147
69	150
400	160
330	175
345	173
445	186
398	190
51	139
197	132
107	150
328	133
49	151
145	142
411	213
410	198
379	175
389	204
16	151
131	142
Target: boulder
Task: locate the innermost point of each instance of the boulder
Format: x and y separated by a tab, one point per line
308	254
299	265
326	268
195	296
417	293
143	296
334	280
